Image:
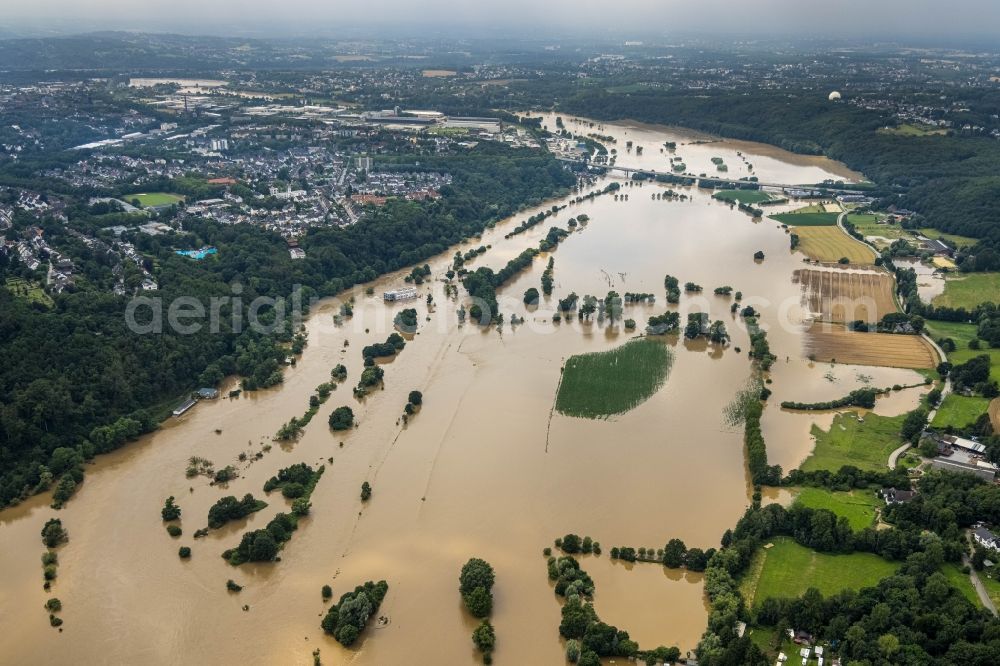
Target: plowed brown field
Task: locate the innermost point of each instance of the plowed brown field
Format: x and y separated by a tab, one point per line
827	343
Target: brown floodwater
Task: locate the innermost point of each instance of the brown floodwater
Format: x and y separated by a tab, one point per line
484	469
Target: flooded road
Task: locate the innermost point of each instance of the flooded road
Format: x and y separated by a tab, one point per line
484	469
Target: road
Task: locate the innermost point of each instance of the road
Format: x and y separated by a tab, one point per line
978	584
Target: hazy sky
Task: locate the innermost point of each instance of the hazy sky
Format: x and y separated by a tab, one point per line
891	19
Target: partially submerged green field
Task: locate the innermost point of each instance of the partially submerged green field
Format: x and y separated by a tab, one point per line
866	445
742	196
858	506
603	384
967	290
787	569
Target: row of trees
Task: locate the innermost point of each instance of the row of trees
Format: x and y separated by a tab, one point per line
475	584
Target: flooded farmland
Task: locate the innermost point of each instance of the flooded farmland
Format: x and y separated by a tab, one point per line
484	469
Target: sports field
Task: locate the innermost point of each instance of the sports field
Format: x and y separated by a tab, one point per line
153	199
830	244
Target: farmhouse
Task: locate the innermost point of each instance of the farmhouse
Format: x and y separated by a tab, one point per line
986	538
893	496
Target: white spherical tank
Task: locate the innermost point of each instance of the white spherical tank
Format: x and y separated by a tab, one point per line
834	96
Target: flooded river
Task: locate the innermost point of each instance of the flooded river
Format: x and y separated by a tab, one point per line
484	469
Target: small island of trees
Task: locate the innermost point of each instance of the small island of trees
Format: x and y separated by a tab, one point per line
346	619
229	508
342	418
475	584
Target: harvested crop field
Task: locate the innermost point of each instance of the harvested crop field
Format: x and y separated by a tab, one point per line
994	412
831	244
843	295
836	344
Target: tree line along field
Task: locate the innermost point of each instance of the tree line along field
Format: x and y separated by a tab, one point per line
843	296
837	344
787	569
602	384
969	290
830	244
864	443
858	506
962	334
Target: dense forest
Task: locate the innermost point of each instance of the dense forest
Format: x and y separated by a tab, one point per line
76	381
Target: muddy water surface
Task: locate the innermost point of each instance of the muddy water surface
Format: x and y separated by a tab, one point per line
484	469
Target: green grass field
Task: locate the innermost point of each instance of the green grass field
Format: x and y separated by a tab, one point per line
788	569
962	334
959	241
865	445
742	196
612	382
959	410
961	581
867	225
967	290
30	291
858	506
992	585
154	199
908	129
807	219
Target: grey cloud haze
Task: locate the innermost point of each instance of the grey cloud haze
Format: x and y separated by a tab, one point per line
891	19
